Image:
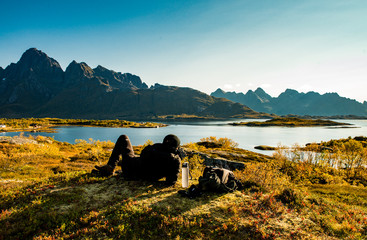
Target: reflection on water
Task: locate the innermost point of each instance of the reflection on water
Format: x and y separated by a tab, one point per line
247	137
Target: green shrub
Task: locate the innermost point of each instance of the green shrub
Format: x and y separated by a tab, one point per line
263	177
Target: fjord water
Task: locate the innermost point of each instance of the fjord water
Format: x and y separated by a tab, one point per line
246	137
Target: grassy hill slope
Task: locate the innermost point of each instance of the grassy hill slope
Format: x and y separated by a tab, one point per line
47	192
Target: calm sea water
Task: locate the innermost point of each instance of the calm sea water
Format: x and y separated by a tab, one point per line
246	137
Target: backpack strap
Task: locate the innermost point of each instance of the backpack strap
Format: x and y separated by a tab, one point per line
225	175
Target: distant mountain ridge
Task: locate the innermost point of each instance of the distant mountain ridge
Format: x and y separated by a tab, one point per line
36	86
293	102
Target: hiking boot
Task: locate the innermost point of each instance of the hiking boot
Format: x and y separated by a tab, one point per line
105	170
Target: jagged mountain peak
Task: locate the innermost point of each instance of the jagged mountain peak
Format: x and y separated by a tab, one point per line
104	72
78	70
36	67
289	90
36	58
260	92
299	103
81	64
34	78
219	90
255	97
218	93
119	80
263	95
33	52
289	93
250	92
100	67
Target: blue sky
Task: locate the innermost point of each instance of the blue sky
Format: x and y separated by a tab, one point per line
308	45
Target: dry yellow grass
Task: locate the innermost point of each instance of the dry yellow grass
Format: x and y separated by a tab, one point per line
47	192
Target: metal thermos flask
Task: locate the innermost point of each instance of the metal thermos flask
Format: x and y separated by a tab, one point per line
185	174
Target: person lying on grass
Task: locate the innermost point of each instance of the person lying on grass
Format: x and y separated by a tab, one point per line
155	161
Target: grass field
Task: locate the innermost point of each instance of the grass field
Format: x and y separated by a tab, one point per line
47	192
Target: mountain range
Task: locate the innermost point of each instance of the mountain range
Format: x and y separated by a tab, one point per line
292	102
37	86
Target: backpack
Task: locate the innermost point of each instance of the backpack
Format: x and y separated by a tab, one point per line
221	180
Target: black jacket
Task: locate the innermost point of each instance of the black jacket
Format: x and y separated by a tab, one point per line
157	162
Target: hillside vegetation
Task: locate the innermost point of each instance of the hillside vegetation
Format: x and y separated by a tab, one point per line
47	192
46	124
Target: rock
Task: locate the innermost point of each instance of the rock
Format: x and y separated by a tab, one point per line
210	144
17	140
216	162
360	138
265	148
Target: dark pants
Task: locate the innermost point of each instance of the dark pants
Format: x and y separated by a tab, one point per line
129	163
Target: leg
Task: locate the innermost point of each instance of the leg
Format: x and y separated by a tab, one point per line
122	148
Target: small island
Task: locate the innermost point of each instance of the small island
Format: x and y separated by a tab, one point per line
47	124
290	122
